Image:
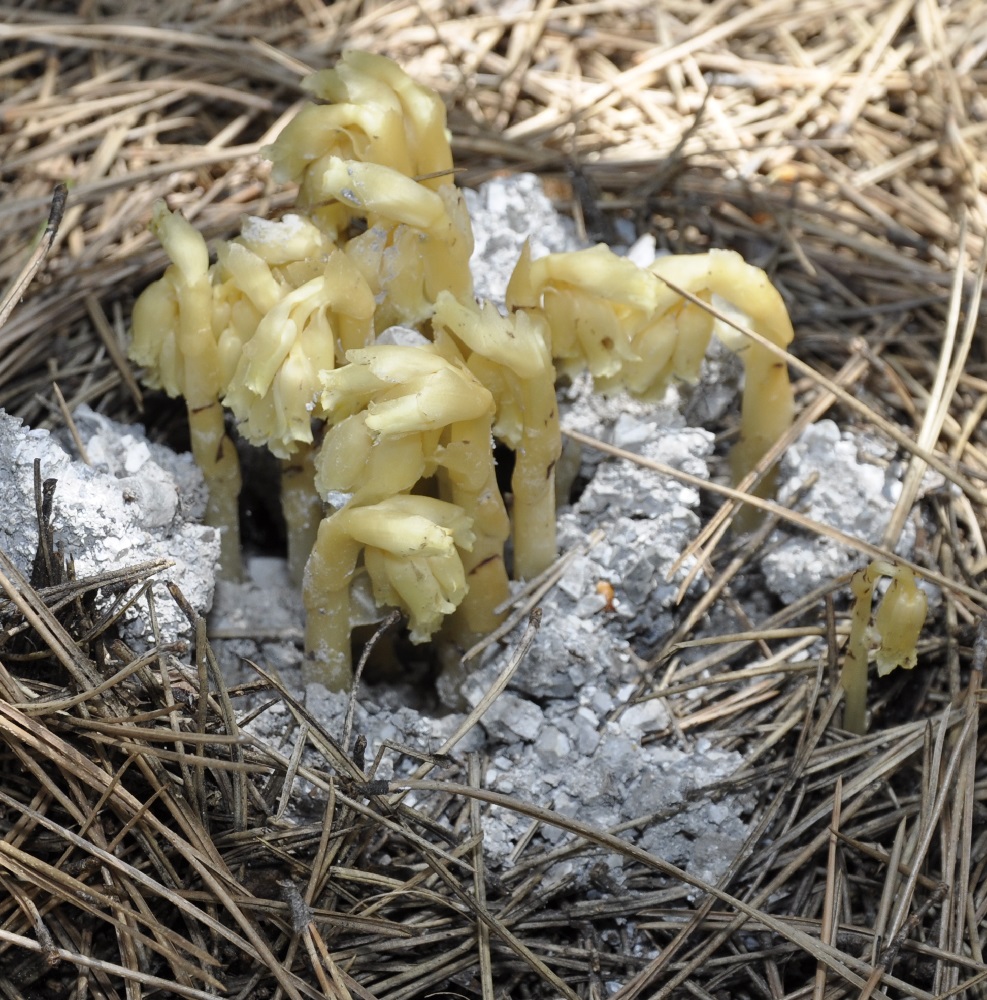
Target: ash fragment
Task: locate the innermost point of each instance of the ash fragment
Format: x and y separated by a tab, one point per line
505	212
647	519
856	492
137	502
258	619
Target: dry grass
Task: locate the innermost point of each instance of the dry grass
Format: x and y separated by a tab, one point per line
840	146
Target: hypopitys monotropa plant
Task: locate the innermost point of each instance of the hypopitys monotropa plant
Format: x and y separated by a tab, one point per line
892	635
398	495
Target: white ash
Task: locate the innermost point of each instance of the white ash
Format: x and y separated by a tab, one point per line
856	492
506	212
125	452
658	786
565	757
647	519
136	502
564	734
258	620
403	336
715	392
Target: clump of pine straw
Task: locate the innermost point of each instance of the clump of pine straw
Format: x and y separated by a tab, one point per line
838	145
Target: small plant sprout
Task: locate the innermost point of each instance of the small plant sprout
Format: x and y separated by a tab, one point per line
893	635
386	436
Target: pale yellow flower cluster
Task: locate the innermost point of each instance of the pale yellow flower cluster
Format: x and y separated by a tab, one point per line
633	331
388	447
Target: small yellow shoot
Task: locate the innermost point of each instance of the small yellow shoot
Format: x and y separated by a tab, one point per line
893	636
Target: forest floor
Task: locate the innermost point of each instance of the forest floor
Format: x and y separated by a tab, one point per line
839	146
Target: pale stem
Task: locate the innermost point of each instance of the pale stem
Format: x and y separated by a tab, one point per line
471	479
302	508
328	658
215	454
533	482
767	410
854	675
